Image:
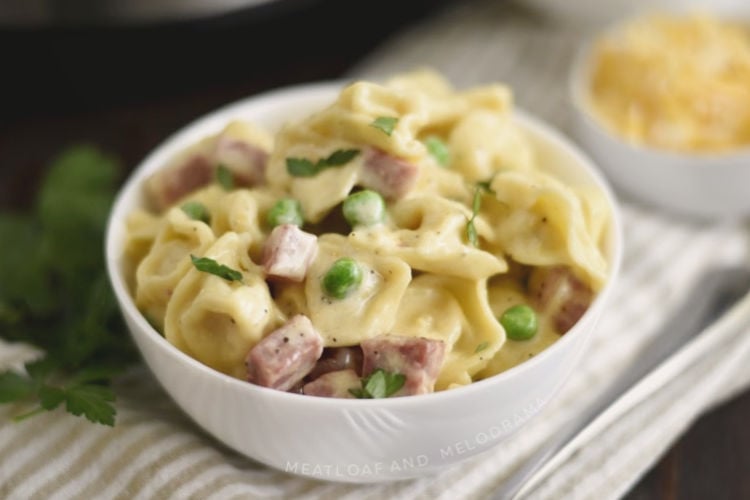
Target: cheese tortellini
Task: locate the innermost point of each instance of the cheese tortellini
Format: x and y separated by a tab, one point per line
457	222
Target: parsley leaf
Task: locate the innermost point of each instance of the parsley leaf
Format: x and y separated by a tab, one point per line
54	292
208	265
46	383
379	384
95	373
94	402
438	149
385	124
23	289
481	347
91	401
358	393
196	211
338	158
224	177
51	397
302	167
72	209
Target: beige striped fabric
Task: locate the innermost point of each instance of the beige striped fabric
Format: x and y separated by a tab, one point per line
157	452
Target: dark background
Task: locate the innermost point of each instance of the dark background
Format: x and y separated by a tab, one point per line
125	88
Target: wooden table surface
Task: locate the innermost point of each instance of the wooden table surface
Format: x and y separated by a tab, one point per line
125	89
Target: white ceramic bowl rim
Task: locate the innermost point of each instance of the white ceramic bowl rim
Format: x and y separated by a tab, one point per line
578	88
134	182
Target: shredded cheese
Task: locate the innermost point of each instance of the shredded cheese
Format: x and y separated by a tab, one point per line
677	82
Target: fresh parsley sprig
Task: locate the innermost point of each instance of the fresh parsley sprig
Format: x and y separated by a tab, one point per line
379	384
82	393
302	167
54	293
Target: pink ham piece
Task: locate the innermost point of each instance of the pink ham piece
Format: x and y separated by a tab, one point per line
168	186
417	358
288	252
284	357
390	176
333	385
559	293
246	161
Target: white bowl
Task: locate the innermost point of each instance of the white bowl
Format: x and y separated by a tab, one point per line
699	185
348	439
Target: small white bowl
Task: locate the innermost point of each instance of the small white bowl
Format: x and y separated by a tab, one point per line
698	185
346	439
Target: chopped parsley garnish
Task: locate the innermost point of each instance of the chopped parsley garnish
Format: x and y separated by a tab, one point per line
385	124
208	265
476	205
196	211
438	149
55	295
302	167
379	384
224	177
481	347
339	158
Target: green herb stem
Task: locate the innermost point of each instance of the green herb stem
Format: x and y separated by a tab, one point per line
24	416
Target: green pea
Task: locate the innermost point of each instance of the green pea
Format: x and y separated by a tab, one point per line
364	208
520	322
285	211
344	276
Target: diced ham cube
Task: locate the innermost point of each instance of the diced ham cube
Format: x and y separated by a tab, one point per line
390	176
333	385
417	358
284	357
288	252
246	161
338	358
168	186
560	294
